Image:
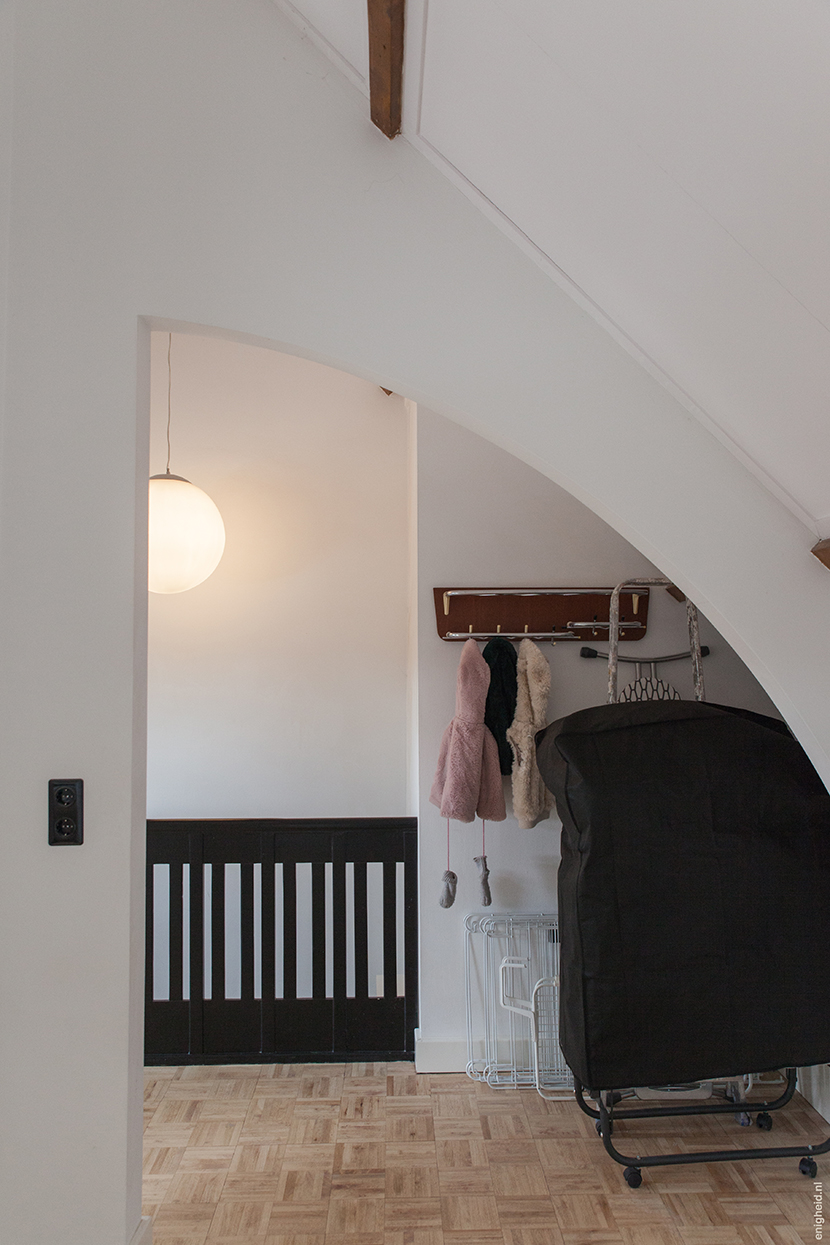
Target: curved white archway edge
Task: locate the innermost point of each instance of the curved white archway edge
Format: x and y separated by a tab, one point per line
204	164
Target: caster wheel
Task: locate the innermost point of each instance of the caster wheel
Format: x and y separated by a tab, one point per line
598	1127
744	1120
808	1167
633	1177
764	1121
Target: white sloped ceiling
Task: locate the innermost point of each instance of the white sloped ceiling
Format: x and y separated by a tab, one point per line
669	162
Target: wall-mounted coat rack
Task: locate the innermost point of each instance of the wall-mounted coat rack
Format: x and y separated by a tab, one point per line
537	613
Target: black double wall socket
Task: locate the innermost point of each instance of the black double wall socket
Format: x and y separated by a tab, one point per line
66	811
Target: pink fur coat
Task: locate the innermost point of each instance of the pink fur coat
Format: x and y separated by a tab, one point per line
468	780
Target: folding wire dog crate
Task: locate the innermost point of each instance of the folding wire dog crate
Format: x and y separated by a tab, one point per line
508	957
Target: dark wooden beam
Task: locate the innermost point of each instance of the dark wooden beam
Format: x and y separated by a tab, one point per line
822	552
386	64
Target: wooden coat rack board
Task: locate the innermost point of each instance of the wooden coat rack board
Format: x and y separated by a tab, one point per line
538	613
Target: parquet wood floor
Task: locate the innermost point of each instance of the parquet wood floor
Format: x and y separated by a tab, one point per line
372	1154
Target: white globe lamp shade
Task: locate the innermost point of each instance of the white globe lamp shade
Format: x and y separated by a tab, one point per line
187	535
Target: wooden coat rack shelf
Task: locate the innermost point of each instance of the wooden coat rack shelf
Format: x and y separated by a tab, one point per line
537	613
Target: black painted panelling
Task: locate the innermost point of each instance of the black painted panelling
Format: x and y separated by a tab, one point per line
243	1029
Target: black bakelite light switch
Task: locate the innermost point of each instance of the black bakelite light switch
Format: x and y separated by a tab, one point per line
66	810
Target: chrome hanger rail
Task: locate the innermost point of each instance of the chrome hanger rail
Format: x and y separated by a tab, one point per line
645	661
517	635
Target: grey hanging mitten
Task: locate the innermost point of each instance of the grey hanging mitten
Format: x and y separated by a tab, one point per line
450	882
484	872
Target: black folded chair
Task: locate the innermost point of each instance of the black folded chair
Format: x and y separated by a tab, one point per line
694	908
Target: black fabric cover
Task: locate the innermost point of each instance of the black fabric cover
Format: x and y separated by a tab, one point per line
500	708
694	894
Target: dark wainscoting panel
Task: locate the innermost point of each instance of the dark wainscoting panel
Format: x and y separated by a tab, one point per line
281	940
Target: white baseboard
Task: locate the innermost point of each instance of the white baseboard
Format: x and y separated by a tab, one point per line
814	1085
143	1234
440	1056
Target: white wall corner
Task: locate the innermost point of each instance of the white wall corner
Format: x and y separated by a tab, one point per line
412	762
440	1056
143	1234
814	1085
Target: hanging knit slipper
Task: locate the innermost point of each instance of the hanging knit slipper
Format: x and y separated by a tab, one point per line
484	874
450	882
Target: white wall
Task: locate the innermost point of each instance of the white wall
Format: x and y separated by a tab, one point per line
278	687
487	519
202	164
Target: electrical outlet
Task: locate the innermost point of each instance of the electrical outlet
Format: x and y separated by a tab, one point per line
66	811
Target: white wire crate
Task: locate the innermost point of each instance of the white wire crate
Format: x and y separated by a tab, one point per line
512	982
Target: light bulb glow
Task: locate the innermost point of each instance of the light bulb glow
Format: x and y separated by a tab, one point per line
187	535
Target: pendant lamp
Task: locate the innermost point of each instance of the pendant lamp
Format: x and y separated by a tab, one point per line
186	532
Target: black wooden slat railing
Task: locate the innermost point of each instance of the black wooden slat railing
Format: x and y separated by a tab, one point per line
266	1023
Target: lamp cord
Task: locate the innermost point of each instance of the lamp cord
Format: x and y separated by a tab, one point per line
169	388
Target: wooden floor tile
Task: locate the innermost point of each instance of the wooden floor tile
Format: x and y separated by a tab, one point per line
207	1159
405	1214
261	1160
154	1189
293	1238
295	1218
215	1110
416	1236
481	1236
452	1130
303	1131
196	1187
710	1236
176	1111
302	1186
450	1106
215	1133
650	1234
512	1151
579	1211
355	1216
350	1238
504	1125
358	1184
188	1224
753	1208
361	1130
412	1180
404	1152
457	1181
526	1212
696	1210
408	1085
359	1156
244	1220
408	1127
518	1180
532	1236
362	1107
469	1213
308	1156
375	1154
461	1153
162	1160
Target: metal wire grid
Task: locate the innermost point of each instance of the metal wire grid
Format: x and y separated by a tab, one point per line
514	953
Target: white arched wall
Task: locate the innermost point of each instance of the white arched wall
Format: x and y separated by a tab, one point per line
200	163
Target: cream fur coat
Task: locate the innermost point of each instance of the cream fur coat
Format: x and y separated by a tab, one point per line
531	799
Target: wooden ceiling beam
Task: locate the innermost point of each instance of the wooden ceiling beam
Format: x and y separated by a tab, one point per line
386	64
